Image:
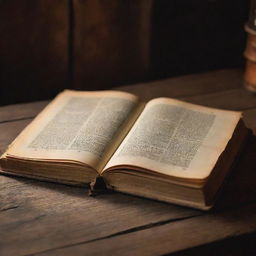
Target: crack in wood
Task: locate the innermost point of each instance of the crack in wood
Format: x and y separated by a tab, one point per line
131	230
9	208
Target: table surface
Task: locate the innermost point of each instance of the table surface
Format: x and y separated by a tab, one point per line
43	218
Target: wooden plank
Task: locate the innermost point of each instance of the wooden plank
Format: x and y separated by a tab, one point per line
109	50
9	131
37	216
33	49
219	89
235	99
21	111
189	85
31	211
171	237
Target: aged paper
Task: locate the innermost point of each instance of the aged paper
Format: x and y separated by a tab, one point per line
177	138
76	126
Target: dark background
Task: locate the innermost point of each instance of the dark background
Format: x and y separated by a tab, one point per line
46	46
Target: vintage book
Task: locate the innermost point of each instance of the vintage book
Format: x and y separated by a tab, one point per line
164	149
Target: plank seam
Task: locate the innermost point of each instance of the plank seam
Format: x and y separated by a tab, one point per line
131	230
148	226
9	208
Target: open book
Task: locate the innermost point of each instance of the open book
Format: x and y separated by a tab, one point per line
166	150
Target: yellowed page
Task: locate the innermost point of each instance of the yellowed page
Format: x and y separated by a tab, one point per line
177	138
76	126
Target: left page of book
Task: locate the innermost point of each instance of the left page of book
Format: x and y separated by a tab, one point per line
76	126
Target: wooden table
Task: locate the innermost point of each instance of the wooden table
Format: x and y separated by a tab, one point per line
43	218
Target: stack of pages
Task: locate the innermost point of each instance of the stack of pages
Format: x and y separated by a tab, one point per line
164	149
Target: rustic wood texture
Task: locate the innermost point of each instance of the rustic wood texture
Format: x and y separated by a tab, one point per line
21	111
33	49
111	42
46	46
171	237
43	218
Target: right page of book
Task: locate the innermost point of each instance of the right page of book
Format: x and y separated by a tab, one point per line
176	138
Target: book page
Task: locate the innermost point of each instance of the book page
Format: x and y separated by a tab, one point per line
177	138
78	126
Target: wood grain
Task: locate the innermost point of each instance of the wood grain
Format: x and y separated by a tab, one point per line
38	216
108	49
9	131
21	111
235	99
33	49
188	85
171	237
53	219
